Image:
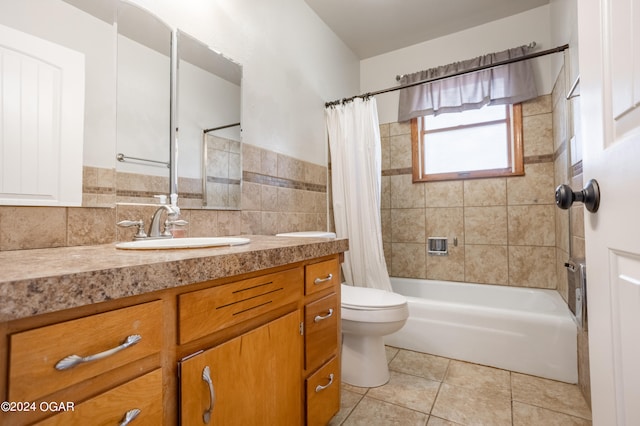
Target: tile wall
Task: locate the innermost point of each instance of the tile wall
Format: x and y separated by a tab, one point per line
570	223
505	227
279	194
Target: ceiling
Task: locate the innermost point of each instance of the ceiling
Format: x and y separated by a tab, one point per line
373	27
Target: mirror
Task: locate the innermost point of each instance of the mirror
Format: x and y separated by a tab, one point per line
86	27
209	130
143	105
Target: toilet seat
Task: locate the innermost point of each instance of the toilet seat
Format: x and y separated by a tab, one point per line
363	298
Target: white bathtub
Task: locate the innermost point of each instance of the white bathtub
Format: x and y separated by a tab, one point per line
530	331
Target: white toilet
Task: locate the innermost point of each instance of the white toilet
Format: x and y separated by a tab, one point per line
367	316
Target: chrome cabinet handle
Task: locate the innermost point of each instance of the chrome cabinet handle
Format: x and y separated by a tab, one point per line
129	416
319	318
206	376
323	280
73	360
321	388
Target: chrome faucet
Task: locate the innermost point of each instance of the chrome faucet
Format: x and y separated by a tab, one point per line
173	212
154	228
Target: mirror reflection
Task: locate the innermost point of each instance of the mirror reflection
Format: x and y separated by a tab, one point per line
87	28
143	104
209	135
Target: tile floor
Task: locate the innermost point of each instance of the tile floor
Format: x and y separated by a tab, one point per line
434	391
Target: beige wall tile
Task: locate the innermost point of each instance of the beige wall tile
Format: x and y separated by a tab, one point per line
538	135
402	128
535	187
445	222
268	198
532	266
32	227
532	225
539	105
408	260
485	225
485	192
384	130
229	222
385	219
203	223
251	196
562	229
444	194
269	223
385	195
400	151
268	163
88	226
251	222
561	273
385	151
447	268
290	168
487	264
408	226
406	194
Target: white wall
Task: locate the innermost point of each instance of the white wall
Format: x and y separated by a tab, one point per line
564	30
379	72
292	63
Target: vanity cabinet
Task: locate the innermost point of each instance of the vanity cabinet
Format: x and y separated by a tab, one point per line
260	348
252	379
322	341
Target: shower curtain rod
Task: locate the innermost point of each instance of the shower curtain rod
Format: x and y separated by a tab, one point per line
430	80
220	127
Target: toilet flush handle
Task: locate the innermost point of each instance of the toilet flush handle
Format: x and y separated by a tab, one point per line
323	280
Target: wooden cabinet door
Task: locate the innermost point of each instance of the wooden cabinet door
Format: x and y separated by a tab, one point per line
253	379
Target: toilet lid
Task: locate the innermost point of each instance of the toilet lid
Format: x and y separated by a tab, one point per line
370	298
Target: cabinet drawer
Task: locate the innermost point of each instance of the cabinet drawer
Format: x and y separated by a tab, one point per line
111	407
323	394
206	311
321	275
35	353
321	320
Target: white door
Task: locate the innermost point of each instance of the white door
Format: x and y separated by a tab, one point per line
609	39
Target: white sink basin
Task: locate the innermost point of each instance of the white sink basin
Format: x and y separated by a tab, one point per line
182	243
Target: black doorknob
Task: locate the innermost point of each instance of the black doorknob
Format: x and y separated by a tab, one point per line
590	196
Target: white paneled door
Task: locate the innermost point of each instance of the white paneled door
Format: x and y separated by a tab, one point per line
609	38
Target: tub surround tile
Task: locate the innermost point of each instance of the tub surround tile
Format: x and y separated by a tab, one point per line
485	225
400	128
538	134
47	280
444	194
408	225
400	151
385	151
486	264
540	105
535	187
447	268
485	192
557	396
404	194
532	225
532	266
408	260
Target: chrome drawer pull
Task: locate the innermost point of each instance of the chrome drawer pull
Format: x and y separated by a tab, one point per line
206	376
321	388
129	416
73	360
323	280
319	318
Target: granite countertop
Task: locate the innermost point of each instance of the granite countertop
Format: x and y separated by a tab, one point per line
38	281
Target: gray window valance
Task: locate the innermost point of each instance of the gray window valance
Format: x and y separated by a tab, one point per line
505	84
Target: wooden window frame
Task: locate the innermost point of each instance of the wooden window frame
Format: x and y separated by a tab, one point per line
515	151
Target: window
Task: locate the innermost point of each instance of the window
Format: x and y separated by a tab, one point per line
485	142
